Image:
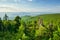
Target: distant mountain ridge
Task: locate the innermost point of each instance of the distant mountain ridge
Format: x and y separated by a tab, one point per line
45	17
21	14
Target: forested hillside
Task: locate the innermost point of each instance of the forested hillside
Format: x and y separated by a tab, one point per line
41	27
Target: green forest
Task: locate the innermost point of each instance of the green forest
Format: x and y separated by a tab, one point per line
41	27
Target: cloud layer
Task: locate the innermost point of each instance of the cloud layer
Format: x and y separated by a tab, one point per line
26	6
15	8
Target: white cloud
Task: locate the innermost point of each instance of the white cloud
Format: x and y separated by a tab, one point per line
3	0
13	8
10	1
17	0
54	9
21	8
30	0
8	8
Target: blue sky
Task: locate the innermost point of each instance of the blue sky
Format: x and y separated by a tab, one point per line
29	5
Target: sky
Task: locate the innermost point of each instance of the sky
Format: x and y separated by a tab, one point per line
29	5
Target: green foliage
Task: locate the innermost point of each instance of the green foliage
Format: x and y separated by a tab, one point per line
31	28
1	25
17	24
5	17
